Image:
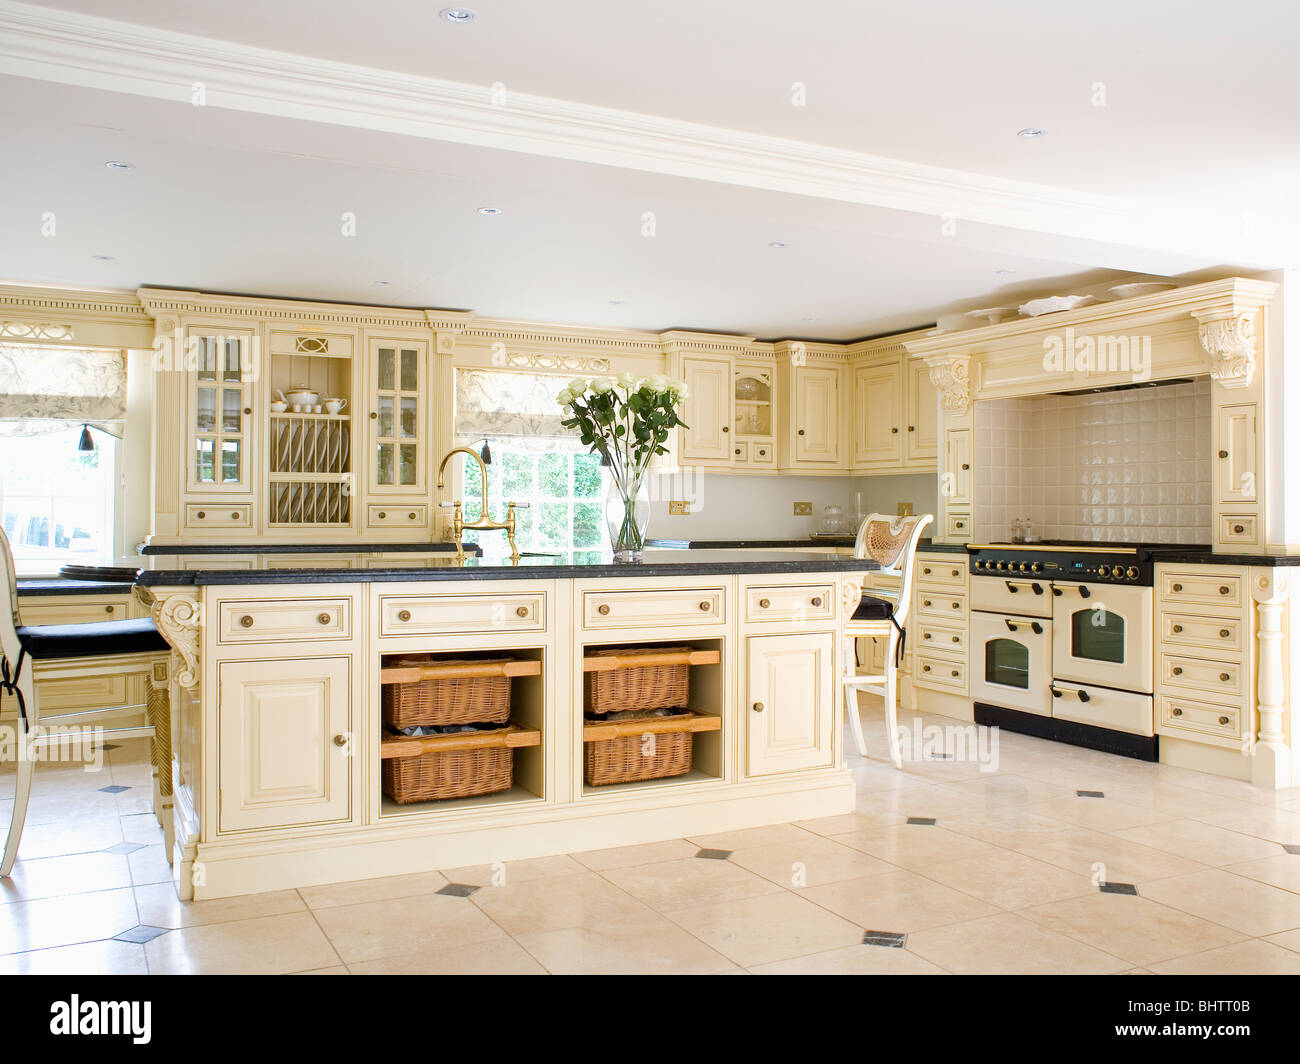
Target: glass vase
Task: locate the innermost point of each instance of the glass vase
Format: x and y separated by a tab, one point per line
627	514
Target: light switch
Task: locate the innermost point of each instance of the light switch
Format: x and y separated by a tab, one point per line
678	507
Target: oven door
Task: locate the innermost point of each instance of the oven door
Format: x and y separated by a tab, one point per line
1011	662
1103	708
1102	634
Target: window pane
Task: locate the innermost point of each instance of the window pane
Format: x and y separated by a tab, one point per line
205	470
232	360
206	358
408	417
410	369
555	475
230	460
231	406
586	476
386	416
205	409
406	458
384	464
387	378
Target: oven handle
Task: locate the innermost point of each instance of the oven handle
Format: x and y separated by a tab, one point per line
1014	626
1083	589
1083	696
1014	586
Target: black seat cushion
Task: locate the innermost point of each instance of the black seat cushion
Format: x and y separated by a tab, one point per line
872	608
97	639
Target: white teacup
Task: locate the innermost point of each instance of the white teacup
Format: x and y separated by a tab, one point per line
278	407
335	406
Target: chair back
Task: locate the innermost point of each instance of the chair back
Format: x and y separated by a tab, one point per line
892	542
9	644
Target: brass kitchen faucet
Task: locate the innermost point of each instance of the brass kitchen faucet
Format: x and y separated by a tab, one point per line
459	524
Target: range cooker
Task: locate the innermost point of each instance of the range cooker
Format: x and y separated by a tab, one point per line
1061	643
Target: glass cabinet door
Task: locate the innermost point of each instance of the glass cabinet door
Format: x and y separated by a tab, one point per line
399	401
220	416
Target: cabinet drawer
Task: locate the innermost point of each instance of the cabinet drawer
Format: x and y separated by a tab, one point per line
934	637
934	671
284	620
958	524
804	602
81	693
113	608
1218	678
740	452
1211	633
219	515
1204	589
398	515
602	610
1186	718
932	574
1239	529
940	605
401	615
762	453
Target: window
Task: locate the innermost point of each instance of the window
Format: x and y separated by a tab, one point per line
57	501
564	484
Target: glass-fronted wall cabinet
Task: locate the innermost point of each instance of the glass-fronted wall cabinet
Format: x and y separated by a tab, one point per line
220	411
754	435
400	444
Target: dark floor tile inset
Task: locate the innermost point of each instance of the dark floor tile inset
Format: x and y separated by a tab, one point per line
714	855
890	939
457	890
141	933
1290	848
924	821
1091	794
1118	888
116	788
124	847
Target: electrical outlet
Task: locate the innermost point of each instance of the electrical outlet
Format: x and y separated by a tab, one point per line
803	509
678	507
904	509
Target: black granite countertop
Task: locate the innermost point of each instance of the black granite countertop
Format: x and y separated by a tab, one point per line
780	544
59	585
1207	556
271	568
423	547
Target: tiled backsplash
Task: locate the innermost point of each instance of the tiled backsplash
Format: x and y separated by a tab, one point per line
1115	466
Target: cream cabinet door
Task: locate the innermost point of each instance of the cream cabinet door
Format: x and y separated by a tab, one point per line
790	706
397	393
956	465
707	412
219	410
817	414
1236	456
284	743
922	441
878	414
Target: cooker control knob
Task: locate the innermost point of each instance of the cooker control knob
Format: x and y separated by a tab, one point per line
1037	567
1132	572
1002	566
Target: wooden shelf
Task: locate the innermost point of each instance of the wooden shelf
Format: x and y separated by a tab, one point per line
449	670
611	662
595	732
513	735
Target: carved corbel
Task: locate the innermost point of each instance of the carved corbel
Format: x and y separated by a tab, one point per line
850	593
177	616
1270	588
950	375
1228	337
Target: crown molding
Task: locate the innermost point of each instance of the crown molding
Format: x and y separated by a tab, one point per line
119	307
105	54
160	301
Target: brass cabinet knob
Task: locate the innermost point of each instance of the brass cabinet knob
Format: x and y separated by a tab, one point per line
1239	529
801	432
926	636
925	602
894	430
817	601
603	609
1224	633
1177	712
956	572
1223	720
763	604
521	611
1178	587
340	740
956	605
1223	454
706	606
411	515
248	410
323	618
382	514
955	672
1178	670
200	515
108	609
1178	628
374	416
965	466
234	515
737	450
911	428
1225	590
925	668
758	707
403	615
956	639
1225	677
725	428
762	452
926	570
246	621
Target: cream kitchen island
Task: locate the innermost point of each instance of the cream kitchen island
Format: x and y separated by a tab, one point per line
277	736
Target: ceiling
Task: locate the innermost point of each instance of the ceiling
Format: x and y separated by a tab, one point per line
236	199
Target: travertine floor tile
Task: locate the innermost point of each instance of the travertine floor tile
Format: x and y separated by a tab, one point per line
385	888
159	906
690	881
1252	957
1010	880
853	960
771	927
269	944
552	904
89	958
628	856
503	956
1245	905
377	929
1007	944
1201	842
897	901
28	925
808	863
634	947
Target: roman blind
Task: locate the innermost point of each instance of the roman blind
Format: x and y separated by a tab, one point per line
49	388
495	403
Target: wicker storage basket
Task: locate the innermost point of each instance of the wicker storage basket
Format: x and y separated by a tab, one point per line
638	687
626	760
449	698
448	774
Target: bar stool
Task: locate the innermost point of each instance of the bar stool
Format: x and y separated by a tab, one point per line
892	542
63	651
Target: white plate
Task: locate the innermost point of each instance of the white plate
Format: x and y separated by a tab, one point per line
1140	288
1052	304
992	315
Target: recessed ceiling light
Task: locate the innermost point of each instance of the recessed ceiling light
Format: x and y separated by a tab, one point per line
103	258
778	244
1030	132
117	164
813	318
459	16
382	284
489	211
1005	272
617	302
